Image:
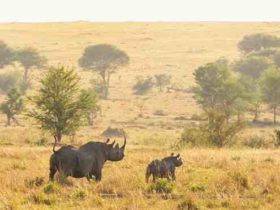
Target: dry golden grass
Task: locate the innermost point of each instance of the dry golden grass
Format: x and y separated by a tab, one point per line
209	178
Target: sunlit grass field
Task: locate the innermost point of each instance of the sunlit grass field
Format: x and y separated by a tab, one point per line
229	178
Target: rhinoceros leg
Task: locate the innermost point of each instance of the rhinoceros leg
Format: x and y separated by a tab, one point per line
52	173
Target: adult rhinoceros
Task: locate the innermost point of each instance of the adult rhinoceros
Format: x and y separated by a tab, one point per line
86	160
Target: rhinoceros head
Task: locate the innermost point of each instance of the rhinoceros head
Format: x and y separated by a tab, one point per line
115	152
177	160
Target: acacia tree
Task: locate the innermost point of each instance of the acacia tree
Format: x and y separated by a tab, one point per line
29	58
6	55
271	89
251	68
256	42
104	59
59	103
252	88
221	96
162	80
12	106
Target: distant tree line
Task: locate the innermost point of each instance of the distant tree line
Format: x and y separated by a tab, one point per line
224	90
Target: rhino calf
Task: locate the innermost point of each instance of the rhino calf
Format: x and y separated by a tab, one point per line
164	168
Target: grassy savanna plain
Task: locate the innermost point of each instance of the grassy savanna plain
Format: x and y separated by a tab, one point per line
228	178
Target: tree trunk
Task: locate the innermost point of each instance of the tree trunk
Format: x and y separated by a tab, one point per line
274	115
25	76
58	137
256	116
105	83
15	120
8	120
238	117
160	88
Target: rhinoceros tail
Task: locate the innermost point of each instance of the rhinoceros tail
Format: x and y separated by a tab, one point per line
55	141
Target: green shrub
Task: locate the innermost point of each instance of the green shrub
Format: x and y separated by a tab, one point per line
161	186
194	137
195	187
49	188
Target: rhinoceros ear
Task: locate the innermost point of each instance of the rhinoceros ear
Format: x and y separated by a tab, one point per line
178	155
111	145
107	141
172	154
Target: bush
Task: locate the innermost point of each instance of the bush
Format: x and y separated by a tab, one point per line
194	137
143	85
257	141
277	134
197	117
161	186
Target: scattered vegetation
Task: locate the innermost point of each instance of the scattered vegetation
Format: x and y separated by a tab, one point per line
161	186
104	59
162	80
12	106
59	104
143	85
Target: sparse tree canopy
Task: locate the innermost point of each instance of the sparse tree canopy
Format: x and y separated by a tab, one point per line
13	105
6	55
59	104
104	59
30	58
256	42
253	66
271	89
